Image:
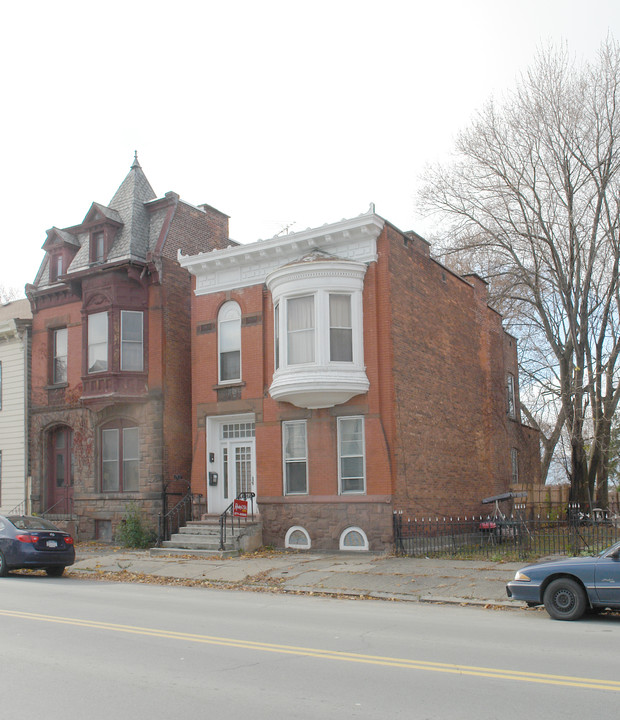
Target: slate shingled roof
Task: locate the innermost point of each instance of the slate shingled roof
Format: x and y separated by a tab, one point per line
127	207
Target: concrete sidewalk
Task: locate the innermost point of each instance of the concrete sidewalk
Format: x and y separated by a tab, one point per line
341	574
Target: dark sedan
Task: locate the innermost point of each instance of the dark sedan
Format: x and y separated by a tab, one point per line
33	542
570	587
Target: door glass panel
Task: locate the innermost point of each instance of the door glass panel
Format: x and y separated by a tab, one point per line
243	467
225	472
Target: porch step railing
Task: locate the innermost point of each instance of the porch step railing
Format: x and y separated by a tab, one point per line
178	515
228	514
64	506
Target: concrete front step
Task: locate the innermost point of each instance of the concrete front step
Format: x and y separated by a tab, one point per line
181	552
203	537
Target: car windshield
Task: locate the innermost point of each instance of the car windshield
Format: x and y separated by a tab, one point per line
25	522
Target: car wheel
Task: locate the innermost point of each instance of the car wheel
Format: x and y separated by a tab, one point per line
55	571
565	599
3	568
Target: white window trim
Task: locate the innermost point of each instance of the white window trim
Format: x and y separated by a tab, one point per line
340	490
353	548
229	311
321	383
285	424
322	349
295	546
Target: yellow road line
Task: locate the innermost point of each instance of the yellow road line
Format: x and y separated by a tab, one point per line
470	670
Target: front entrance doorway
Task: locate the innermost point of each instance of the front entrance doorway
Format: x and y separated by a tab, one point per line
231	460
60	472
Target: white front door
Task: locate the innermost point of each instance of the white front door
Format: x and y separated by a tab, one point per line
231	460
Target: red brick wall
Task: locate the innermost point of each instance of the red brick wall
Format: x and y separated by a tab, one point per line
194	231
450	365
437	436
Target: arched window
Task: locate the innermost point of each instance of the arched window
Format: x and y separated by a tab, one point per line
229	342
297	538
353	538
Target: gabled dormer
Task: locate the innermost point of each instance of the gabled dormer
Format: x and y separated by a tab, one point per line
102	224
61	247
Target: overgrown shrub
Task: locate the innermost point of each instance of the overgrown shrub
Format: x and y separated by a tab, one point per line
133	531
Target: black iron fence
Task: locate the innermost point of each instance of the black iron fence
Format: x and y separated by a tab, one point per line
571	532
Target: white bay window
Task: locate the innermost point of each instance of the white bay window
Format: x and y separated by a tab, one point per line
318	334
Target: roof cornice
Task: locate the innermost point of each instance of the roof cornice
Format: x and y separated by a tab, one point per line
245	265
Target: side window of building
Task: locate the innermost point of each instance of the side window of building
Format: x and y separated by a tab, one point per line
0	385
229	342
351	455
132	340
98	342
295	456
120	457
511	407
59	355
514	461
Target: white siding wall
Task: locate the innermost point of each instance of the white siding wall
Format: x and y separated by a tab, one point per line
13	420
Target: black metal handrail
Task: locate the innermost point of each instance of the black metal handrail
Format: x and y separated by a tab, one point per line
66	509
228	513
171	521
19	509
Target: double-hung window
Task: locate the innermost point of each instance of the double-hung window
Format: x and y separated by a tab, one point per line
132	343
120	458
295	452
351	455
229	342
60	352
300	330
98	342
340	328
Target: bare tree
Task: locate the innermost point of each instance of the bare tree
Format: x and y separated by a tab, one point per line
535	192
7	294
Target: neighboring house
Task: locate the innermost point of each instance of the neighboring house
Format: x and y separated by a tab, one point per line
110	413
341	374
15	324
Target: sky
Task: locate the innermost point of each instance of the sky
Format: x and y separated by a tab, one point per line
283	115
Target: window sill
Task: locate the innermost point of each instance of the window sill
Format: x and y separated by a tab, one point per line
233	384
56	386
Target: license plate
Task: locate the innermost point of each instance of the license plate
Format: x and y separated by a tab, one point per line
51	543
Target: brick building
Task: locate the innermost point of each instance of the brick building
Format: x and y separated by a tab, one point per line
110	410
342	374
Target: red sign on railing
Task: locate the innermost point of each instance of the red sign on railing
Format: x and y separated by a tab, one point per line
240	508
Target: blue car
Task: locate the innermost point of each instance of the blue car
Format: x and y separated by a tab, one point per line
570	587
33	542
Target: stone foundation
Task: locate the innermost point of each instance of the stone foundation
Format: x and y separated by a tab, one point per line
325	521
